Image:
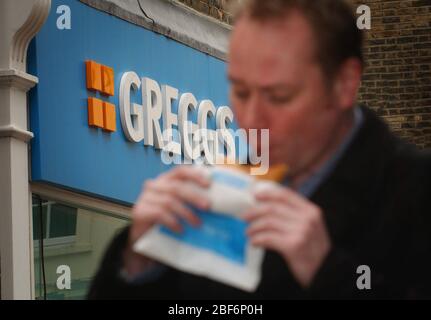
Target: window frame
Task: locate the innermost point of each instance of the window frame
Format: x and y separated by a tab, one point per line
74	199
48	240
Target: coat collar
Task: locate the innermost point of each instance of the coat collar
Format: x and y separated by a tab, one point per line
351	192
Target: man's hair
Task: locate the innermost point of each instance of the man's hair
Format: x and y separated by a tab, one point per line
333	23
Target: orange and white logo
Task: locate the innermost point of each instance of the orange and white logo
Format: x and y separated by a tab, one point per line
100	79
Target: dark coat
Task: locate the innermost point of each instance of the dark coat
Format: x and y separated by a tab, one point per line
376	208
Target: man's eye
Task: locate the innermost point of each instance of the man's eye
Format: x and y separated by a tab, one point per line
241	94
278	100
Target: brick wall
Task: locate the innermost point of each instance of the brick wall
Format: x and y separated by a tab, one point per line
218	9
397	77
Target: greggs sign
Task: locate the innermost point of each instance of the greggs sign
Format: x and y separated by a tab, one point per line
153	122
109	93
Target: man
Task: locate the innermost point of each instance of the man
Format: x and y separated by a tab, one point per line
355	197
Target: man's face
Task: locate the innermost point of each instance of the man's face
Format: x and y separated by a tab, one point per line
277	84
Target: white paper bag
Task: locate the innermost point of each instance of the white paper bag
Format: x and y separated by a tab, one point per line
219	249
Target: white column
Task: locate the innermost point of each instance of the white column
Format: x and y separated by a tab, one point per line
21	20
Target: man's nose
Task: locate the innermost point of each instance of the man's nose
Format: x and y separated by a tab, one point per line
256	117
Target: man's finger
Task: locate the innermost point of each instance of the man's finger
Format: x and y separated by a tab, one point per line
187	173
174	206
282	194
266	209
186	192
267	239
269	223
169	221
154	214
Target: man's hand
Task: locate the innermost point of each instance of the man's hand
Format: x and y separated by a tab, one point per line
164	201
289	224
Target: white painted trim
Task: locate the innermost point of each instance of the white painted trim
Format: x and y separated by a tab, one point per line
21	20
55	242
38	15
31	248
17	79
61	250
84	202
173	20
14	132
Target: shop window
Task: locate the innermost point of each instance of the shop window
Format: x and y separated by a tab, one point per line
58	222
72	236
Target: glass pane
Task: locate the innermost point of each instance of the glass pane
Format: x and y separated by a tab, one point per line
92	232
37	204
62	221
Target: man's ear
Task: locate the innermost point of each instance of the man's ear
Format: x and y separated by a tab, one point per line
347	82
